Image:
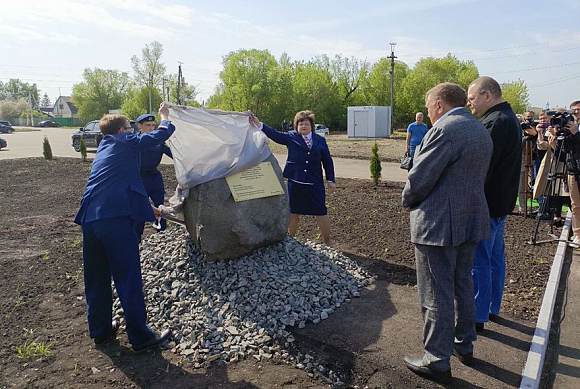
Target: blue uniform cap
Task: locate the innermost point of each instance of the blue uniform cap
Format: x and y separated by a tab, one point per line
146	117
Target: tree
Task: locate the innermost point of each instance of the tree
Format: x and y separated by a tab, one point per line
13	109
248	82
187	92
375	89
149	70
83	149
427	73
45	101
138	102
101	91
375	165
516	93
15	89
46	149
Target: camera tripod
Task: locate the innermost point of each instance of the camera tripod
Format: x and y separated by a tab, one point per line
553	185
527	180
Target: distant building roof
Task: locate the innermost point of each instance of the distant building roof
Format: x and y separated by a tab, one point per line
72	107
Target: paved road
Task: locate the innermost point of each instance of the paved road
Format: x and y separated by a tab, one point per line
29	144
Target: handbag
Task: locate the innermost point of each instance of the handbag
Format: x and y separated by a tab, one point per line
406	162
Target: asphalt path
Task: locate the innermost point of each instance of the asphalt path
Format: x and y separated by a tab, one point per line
26	144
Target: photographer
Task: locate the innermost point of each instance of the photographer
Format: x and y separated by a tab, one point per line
530	152
573	165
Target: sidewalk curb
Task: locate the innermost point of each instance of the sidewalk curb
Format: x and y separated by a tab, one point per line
532	372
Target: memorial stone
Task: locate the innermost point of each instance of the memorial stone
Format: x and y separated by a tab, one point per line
224	229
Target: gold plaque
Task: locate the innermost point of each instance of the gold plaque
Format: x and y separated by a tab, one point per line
254	183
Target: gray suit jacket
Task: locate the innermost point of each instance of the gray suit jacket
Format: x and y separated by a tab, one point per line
445	187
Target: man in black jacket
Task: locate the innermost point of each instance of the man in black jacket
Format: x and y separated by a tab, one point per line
573	165
501	190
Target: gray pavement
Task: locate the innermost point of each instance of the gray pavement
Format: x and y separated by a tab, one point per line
29	144
568	364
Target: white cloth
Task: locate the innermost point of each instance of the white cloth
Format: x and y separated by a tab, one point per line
210	144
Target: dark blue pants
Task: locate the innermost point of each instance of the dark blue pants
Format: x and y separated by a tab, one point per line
157	195
111	249
489	272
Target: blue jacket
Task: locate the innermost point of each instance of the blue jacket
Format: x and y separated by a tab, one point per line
150	159
304	165
114	187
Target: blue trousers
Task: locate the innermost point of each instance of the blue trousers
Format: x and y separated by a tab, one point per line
489	272
111	249
412	151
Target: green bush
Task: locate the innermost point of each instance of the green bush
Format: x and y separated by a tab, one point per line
83	149
375	165
46	150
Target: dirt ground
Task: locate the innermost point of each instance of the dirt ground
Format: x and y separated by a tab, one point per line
43	332
341	146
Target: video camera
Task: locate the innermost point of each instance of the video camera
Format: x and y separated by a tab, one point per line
559	120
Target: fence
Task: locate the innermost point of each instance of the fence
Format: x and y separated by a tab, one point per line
65	122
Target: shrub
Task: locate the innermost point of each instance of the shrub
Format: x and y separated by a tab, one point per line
375	165
83	149
46	150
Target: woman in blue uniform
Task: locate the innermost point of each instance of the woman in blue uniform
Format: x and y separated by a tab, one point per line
151	176
114	199
307	154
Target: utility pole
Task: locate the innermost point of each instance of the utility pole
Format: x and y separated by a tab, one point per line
392	72
178	82
163	89
30	104
150	86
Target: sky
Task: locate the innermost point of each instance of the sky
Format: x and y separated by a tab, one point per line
50	42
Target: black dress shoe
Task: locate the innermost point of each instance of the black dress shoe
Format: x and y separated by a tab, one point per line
479	327
492	317
417	366
110	336
466	359
165	335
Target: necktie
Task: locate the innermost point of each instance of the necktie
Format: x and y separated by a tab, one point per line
307	141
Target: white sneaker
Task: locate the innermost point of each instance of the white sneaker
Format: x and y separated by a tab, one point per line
575	242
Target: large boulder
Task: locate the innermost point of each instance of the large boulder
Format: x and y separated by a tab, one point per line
224	229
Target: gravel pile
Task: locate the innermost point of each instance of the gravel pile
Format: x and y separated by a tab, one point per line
225	311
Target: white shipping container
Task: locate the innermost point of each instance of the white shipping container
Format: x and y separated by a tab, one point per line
369	122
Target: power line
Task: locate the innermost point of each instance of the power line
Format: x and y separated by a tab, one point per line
541	68
555	81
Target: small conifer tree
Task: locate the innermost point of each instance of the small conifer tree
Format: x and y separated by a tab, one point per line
375	164
83	149
46	150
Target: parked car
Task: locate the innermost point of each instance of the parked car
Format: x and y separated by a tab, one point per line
48	123
6	127
3	143
92	135
321	129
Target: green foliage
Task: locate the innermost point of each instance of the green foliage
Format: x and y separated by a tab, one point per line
375	165
138	102
33	349
83	149
45	101
14	89
148	69
427	73
516	93
13	108
46	149
101	91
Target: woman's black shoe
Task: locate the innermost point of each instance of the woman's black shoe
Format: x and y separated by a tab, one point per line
153	343
110	336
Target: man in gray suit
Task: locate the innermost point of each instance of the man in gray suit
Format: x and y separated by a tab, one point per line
448	213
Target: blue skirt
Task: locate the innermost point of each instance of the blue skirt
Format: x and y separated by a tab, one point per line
306	199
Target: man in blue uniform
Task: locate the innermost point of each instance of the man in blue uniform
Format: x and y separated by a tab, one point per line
114	199
151	176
